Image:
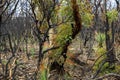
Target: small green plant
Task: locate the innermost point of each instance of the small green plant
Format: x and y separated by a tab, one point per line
87	19
67	76
24	49
100	38
112	15
17	62
105	67
32	51
100	51
4	62
117	69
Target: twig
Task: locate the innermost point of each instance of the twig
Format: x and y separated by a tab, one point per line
50	49
100	57
97	60
103	62
11	12
2	5
15	68
98	71
108	75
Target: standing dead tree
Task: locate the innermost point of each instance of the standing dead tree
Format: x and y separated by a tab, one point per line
46	9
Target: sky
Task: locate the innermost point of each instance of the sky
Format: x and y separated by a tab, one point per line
113	4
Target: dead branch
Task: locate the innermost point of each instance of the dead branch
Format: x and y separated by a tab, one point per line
8	3
50	49
1	5
12	11
98	71
109	75
100	57
101	65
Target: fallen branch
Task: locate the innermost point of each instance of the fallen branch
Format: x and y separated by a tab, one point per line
98	71
101	65
109	75
100	57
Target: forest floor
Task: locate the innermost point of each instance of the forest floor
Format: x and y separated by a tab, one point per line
28	65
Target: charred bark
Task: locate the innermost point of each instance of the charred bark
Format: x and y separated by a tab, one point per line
109	41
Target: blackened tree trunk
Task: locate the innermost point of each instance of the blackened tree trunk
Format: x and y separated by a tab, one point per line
0	26
109	40
117	2
0	16
96	13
